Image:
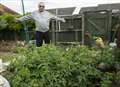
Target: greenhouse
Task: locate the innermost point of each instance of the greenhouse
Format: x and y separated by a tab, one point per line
48	43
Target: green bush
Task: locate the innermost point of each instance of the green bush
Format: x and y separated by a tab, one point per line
3	23
51	66
11	22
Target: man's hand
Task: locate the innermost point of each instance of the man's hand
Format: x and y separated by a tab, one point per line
63	20
17	20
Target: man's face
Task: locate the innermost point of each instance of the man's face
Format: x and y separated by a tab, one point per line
41	8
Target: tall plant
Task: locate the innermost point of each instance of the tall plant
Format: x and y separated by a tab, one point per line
12	25
3	23
9	25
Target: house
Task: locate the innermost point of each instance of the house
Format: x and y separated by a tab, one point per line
4	9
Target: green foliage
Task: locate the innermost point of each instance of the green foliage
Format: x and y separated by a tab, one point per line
51	66
3	23
8	22
30	23
12	25
107	80
117	54
9	26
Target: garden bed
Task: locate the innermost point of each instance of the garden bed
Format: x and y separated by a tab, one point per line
51	66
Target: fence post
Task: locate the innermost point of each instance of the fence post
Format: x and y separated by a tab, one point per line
24	24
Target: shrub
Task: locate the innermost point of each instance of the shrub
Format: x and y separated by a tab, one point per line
51	66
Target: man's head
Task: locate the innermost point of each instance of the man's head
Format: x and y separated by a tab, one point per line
41	6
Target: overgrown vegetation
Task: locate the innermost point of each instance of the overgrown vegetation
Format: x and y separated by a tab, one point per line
51	66
10	29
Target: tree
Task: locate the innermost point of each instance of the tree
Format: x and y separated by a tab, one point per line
12	25
9	25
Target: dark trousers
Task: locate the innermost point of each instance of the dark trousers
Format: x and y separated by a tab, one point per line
42	36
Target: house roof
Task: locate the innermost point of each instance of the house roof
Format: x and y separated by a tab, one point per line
4	9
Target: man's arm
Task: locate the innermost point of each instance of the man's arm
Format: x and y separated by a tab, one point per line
26	17
57	18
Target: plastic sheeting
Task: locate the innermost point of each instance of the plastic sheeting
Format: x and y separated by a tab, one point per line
4	82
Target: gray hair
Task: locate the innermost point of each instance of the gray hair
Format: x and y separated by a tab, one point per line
41	3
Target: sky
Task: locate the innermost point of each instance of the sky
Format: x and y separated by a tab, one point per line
31	5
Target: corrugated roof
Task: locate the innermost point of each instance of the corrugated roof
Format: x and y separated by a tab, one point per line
84	9
62	11
109	6
115	8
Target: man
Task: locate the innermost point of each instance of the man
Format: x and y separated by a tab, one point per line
42	20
